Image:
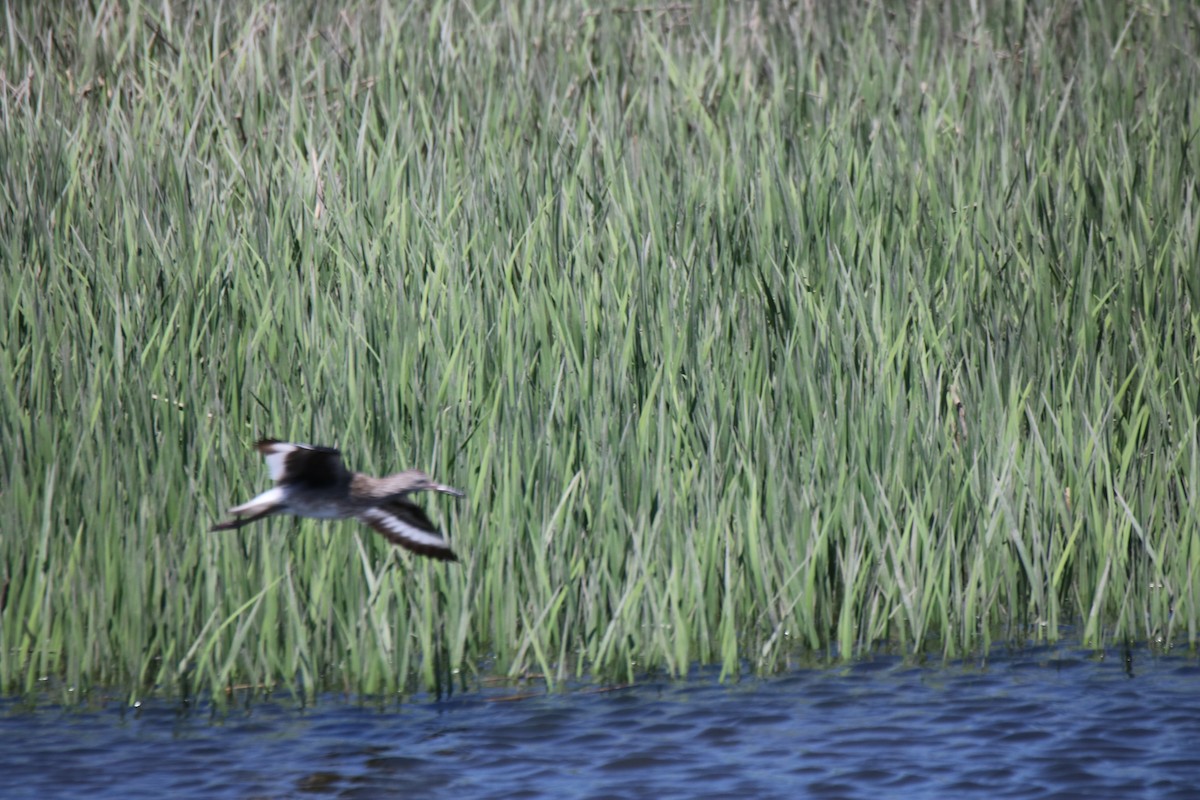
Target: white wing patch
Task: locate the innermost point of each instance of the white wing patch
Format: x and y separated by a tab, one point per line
402	532
276	457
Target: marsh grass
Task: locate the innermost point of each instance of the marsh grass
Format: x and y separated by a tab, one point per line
753	333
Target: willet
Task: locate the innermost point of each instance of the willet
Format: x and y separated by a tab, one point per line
313	482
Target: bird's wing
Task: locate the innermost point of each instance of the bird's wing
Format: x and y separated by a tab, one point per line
407	525
301	463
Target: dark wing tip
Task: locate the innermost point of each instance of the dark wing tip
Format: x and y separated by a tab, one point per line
446	555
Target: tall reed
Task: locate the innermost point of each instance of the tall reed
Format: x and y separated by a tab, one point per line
755	333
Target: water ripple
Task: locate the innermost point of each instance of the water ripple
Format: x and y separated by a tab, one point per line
1063	726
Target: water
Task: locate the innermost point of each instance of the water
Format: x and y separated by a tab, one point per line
1050	725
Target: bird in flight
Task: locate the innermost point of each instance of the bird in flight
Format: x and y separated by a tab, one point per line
313	482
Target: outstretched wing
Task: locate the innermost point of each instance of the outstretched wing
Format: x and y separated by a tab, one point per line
407	525
301	463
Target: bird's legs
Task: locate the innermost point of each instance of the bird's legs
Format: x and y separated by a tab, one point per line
234	524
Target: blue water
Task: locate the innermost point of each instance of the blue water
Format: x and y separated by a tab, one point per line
1052	724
